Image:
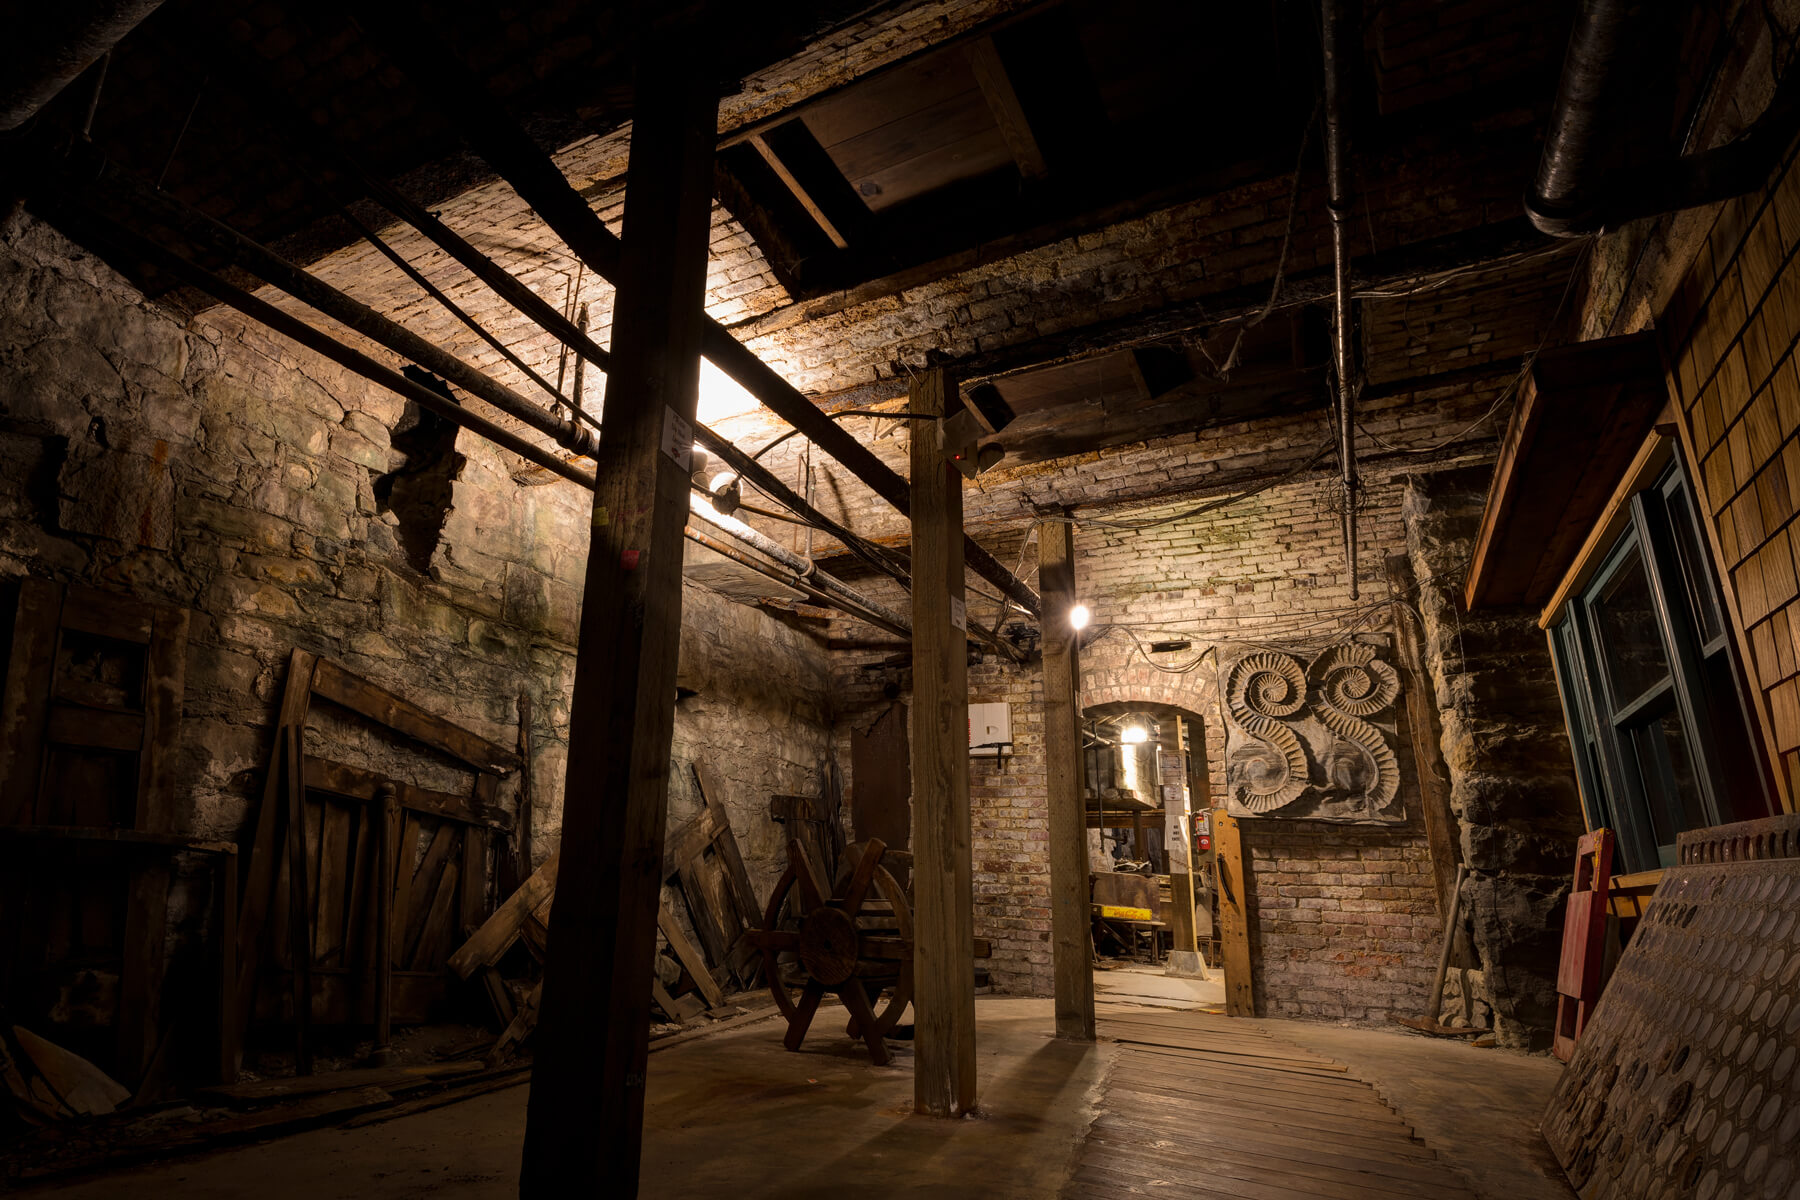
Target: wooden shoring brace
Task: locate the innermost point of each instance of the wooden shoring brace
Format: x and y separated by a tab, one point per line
584	1121
1071	931
943	883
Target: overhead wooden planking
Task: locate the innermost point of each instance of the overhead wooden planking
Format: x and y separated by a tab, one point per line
1582	414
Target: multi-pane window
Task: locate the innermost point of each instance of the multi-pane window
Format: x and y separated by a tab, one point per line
1656	716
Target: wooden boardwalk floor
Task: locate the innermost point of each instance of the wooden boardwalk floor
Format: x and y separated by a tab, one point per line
1201	1105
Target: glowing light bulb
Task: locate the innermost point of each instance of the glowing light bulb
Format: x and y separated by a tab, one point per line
1078	616
1135	735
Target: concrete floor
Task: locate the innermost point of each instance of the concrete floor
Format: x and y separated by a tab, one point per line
735	1114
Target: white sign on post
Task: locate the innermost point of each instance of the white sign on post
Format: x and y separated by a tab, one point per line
678	439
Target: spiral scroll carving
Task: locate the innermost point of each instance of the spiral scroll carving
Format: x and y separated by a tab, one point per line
1351	683
1261	689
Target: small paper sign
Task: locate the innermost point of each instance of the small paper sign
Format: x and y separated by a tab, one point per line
678	439
959	613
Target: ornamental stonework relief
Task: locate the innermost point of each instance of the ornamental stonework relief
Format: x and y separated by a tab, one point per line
1311	735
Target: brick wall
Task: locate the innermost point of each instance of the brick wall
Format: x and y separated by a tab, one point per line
1344	920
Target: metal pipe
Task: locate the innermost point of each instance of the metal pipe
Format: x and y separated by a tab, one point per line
748	468
49	51
84	225
801	566
109	182
1574	194
789	579
1558	201
1339	52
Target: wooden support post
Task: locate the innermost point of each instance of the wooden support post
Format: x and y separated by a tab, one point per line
385	821
943	880
1426	733
584	1122
1234	916
1071	930
1181	883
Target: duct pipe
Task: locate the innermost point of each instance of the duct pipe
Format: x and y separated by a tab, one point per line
49	46
1575	194
1339	52
115	184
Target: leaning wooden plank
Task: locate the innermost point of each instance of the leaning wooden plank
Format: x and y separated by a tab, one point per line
689	956
257	872
23	705
299	936
165	670
339	686
333	888
435	938
471	902
139	1018
664	1001
500	997
725	842
406	850
518	1031
428	881
59	1083
341	779
499	931
492	1080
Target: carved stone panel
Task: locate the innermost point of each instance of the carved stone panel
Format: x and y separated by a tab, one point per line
1310	734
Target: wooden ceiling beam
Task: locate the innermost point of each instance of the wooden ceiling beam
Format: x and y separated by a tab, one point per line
498	138
799	190
1003	102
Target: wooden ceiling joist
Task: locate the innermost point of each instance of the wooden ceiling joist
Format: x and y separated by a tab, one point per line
506	147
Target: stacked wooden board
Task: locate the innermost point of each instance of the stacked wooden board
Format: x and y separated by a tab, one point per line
1201	1105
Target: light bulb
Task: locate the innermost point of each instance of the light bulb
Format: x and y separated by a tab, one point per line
1078	616
1135	735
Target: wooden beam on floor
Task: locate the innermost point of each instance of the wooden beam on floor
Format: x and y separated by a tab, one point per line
584	1123
1071	932
943	879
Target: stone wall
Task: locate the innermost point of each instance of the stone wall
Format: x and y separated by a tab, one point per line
1512	785
211	465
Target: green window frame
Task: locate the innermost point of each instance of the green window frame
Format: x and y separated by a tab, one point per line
1652	694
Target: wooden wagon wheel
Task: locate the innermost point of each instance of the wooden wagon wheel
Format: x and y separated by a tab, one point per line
836	953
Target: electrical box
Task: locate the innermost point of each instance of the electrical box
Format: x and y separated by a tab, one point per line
990	725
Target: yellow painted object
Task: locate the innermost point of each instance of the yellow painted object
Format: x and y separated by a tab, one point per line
1120	912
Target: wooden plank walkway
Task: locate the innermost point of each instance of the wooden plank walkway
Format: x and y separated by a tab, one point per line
1201	1105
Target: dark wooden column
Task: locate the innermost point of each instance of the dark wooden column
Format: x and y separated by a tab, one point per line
584	1124
1071	931
943	881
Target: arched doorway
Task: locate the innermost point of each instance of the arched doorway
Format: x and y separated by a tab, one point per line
1145	776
